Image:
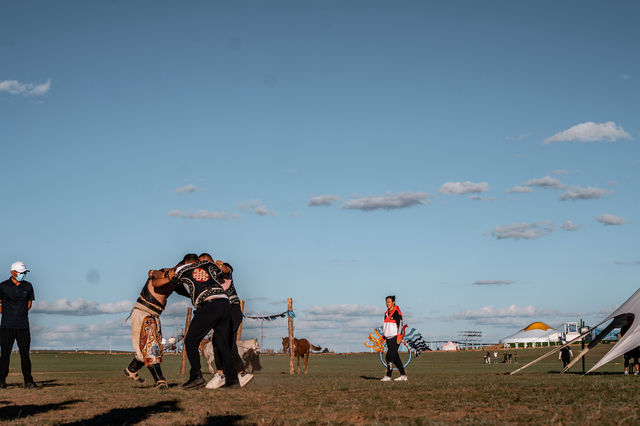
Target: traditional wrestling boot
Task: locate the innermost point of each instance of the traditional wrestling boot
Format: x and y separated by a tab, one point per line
132	371
194	382
156	372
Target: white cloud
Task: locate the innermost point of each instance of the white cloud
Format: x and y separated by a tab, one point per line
579	193
322	200
80	307
625	76
345	309
186	188
475	198
610	220
545	182
389	202
570	226
464	187
526	231
494	282
257	207
14	87
203	214
511	316
590	132
519	190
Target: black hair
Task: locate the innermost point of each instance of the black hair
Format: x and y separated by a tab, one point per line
191	257
205	254
393	298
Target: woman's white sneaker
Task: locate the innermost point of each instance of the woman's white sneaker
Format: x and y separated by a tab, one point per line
385	379
401	379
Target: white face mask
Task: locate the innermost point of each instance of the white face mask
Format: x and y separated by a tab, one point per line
20	276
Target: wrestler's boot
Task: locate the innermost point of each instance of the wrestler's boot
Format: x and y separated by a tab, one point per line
156	372
132	371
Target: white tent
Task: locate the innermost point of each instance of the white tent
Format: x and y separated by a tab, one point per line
450	346
533	334
630	340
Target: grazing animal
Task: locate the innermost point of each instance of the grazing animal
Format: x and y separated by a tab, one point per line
301	349
249	351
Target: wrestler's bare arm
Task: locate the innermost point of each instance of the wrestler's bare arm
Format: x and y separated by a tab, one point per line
161	278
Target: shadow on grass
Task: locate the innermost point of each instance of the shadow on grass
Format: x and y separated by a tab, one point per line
11	412
129	416
222	420
50	383
599	373
369	378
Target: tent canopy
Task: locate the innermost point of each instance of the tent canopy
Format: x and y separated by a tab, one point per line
632	338
536	332
537	326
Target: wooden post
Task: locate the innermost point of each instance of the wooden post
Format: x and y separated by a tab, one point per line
239	335
581	327
184	352
290	308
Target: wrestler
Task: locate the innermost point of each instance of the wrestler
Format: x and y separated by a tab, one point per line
202	282
218	379
146	331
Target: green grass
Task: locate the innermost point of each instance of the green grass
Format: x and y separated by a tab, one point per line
443	388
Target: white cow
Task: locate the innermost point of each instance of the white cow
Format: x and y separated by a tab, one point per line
249	351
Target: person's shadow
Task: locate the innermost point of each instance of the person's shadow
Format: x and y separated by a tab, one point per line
128	416
369	378
11	412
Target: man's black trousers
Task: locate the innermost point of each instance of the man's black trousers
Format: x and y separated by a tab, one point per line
7	337
212	314
236	320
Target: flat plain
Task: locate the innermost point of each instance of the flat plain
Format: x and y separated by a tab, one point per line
443	388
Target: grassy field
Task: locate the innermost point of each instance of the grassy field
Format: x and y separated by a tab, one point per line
442	388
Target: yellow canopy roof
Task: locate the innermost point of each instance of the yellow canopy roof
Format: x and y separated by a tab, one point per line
536	326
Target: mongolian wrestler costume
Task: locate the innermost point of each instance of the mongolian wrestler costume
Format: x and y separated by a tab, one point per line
201	283
146	337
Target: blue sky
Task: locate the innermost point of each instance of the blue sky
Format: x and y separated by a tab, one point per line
477	159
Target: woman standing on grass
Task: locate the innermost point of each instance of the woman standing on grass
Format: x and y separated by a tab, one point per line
392	333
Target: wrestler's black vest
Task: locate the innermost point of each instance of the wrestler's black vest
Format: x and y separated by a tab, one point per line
148	300
201	281
231	291
233	295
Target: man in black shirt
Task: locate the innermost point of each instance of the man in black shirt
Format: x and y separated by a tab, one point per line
16	295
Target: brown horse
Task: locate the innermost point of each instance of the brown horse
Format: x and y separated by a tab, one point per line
301	349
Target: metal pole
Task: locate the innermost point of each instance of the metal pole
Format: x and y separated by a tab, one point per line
184	352
290	308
